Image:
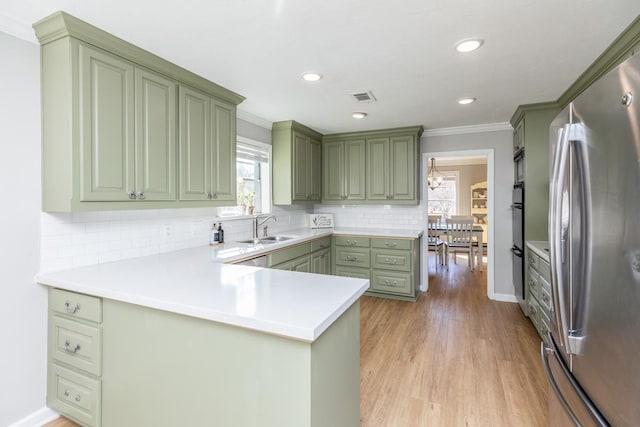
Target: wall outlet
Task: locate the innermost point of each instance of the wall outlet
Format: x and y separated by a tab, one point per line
168	231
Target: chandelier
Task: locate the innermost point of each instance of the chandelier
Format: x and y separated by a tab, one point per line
434	178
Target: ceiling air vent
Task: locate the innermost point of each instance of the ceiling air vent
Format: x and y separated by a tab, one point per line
364	96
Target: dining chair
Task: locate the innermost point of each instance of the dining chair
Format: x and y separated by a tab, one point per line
459	237
433	239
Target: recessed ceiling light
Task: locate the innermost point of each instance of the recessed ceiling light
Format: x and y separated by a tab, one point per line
359	115
468	45
312	76
465	101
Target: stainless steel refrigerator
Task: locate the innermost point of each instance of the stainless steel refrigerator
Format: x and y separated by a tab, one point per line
593	357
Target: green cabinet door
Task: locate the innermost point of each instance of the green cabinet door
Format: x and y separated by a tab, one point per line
155	117
354	169
300	167
223	151
194	145
403	169
107	126
344	170
333	170
378	169
321	261
314	172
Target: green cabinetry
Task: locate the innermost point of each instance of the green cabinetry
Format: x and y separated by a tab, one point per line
309	257
110	125
344	170
211	373
297	161
207	147
74	385
375	167
391	264
538	302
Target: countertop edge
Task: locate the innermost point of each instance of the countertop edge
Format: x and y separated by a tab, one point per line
538	248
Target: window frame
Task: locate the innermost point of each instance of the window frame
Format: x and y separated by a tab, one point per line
448	173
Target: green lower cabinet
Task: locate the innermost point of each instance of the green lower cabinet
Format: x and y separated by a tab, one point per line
164	369
302	264
321	261
391	265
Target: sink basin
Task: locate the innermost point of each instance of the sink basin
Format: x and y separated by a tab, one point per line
277	238
267	240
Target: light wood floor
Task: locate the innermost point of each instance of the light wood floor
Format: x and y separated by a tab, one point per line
453	358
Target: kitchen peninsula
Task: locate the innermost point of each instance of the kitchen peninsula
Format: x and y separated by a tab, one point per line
180	339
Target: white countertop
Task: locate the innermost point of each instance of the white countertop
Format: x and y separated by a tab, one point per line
540	248
231	252
291	304
199	282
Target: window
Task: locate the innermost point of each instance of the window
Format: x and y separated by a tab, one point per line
253	174
444	199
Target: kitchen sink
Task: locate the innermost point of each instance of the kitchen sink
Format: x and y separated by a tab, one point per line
267	240
277	238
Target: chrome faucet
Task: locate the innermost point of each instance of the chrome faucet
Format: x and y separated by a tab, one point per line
259	220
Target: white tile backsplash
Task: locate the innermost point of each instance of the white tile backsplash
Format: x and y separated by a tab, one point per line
77	239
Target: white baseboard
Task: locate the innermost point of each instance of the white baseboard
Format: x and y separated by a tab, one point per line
503	297
37	419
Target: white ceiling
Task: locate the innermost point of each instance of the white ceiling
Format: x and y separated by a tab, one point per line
402	51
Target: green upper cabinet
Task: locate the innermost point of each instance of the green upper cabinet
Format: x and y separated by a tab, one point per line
344	170
110	126
108	133
128	130
373	167
297	162
207	148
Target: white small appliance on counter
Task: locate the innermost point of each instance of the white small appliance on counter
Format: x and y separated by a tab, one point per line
320	220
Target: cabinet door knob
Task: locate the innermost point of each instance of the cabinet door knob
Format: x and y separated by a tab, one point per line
140	195
69	309
132	194
209	196
68	349
215	195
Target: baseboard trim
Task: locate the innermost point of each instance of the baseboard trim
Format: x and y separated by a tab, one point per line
503	298
37	419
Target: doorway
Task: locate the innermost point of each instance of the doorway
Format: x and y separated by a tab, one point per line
462	208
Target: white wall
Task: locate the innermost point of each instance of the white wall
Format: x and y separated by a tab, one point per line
23	306
501	143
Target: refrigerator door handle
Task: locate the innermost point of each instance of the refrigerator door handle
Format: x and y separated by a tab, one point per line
544	354
557	242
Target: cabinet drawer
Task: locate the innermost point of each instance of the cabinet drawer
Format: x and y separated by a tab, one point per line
319	244
544	327
532	260
358	273
75	395
545	297
545	270
534	283
403	244
352	257
76	344
288	254
533	311
361	242
75	305
391	260
392	283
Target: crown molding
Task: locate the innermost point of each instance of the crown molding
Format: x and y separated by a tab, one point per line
253	119
17	28
461	130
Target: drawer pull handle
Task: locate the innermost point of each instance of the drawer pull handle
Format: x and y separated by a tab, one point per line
352	258
69	309
67	347
67	393
387	282
545	298
388	261
352	243
390	245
